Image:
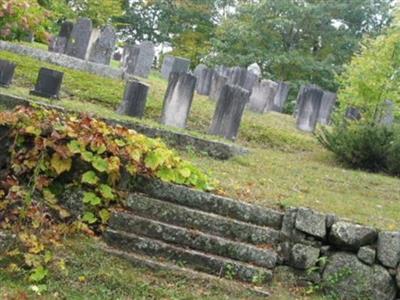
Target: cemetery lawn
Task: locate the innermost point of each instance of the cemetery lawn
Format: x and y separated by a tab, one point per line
93	274
284	168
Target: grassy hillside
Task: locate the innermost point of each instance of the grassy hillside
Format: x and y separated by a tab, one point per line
284	168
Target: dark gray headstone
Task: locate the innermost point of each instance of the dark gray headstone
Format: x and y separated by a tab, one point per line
198	70
178	99
7	69
66	29
103	47
203	84
58	43
228	112
217	83
353	114
135	97
327	105
262	97
138	59
172	64
117	56
78	43
48	83
243	78
281	96
309	104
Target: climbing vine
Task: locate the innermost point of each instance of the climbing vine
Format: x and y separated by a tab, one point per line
51	154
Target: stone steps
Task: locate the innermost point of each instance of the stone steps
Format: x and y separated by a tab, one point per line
196	240
214	224
199	261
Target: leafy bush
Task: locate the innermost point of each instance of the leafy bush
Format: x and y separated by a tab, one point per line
51	153
364	145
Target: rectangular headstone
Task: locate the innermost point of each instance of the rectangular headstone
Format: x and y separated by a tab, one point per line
172	64
327	105
243	78
78	42
386	116
178	99
309	104
228	112
134	101
48	83
217	83
7	69
262	97
58	43
204	81
138	59
281	96
103	47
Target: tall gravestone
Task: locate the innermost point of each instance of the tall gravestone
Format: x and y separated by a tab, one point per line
309	104
386	117
198	70
327	105
7	69
79	40
138	59
281	96
217	83
58	43
224	71
228	112
255	69
243	78
203	84
48	83
178	99
103	47
172	64
134	101
262	97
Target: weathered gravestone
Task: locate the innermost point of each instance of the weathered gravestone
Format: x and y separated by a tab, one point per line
138	59
308	104
353	114
103	47
134	101
243	78
117	56
217	83
224	71
262	96
228	112
327	105
281	96
7	69
172	64
48	83
58	43
79	40
178	99
203	84
255	69
198	70
386	117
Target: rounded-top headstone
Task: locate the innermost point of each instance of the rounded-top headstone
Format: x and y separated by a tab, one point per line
255	68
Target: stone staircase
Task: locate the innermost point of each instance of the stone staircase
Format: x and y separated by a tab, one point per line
227	243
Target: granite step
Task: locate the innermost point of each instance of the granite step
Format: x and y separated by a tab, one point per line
199	261
228	228
193	239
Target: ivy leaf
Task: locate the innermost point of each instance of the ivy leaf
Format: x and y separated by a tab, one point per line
90	178
154	159
106	192
87	156
89	218
104	215
99	164
59	164
38	274
91	198
75	147
185	172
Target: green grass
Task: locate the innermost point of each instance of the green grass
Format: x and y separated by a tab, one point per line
285	167
93	274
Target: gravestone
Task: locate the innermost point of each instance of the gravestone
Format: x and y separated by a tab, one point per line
281	96
309	104
353	114
217	83
58	43
327	105
172	64
228	112
79	40
103	47
48	83
138	59
178	99
203	84
7	69
250	81
262	96
255	69
243	78
386	117
117	56
224	71
198	70
134	101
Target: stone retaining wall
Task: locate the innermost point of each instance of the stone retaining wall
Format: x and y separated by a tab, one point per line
63	60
